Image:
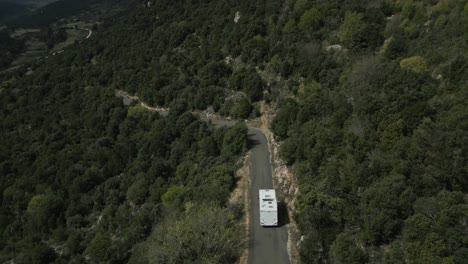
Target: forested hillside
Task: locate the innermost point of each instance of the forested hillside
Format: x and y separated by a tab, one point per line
52	12
9	48
80	170
85	178
377	131
370	109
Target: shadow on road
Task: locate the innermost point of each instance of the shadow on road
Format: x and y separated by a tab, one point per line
251	142
283	216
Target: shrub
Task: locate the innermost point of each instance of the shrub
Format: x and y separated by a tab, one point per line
416	64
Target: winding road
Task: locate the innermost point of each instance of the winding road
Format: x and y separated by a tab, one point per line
266	244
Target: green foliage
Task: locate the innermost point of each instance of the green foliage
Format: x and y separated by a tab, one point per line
40	254
393	48
94	171
345	250
443	6
415	63
136	110
370	148
308	89
241	109
204	234
379	150
253	86
234	141
285	117
43	208
432	231
138	191
311	20
290	27
174	196
382	204
352	31
99	248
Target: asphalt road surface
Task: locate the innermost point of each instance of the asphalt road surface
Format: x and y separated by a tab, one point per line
266	244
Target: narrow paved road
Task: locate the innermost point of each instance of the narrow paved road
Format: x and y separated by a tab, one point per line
266	244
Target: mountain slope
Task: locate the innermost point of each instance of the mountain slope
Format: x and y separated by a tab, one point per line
370	100
10	10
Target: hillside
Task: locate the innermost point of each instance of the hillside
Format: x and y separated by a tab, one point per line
369	102
34	35
10	10
29	3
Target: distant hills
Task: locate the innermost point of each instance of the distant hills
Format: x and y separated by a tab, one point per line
27	3
26	13
10	10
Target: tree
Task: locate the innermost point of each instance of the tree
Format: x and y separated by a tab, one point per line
344	250
311	20
285	117
308	89
204	234
43	209
352	31
174	196
253	86
234	141
40	254
393	47
138	191
98	248
384	207
242	109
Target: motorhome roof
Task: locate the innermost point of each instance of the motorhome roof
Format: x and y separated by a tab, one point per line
268	200
267	194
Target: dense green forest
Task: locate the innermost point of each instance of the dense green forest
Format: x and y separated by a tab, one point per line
377	134
371	113
80	170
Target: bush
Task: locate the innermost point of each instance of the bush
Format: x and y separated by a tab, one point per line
416	64
204	234
393	48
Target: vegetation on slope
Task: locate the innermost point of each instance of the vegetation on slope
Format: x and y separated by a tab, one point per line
371	112
377	134
85	178
9	48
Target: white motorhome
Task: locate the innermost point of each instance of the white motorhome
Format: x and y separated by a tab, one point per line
268	207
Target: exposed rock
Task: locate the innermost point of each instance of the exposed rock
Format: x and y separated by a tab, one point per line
335	47
237	17
436	76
